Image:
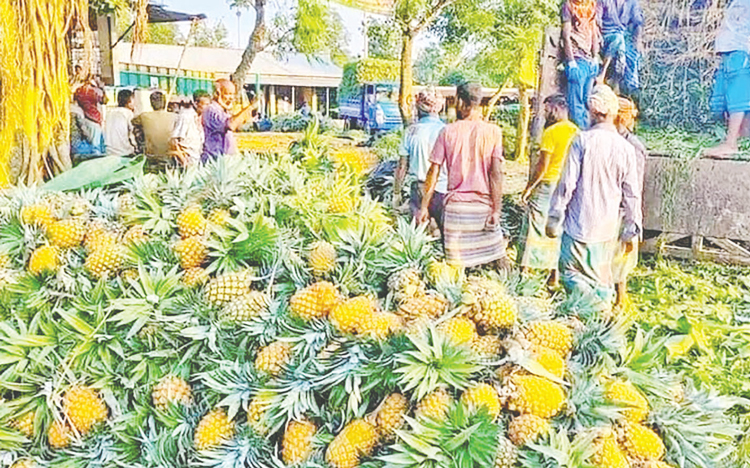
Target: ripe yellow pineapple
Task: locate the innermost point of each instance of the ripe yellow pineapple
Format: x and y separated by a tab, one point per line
224	288
551	361
256	413
406	284
491	308
25	424
429	306
608	454
38	215
191	251
135	235
213	430
273	358
482	395
435	405
322	258
105	261
356	440
640	442
84	408
549	334
459	330
126	204
379	325
219	217
45	259
67	234
653	464
297	445
315	301
625	393
527	428
530	394
59	435
341	204
25	463
349	315
191	222
194	277
390	416
97	234
442	271
171	389
507	453
487	346
246	308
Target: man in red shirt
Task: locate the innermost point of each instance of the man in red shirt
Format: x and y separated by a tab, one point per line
472	152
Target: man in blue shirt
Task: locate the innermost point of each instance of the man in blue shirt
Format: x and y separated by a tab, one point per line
416	148
621	23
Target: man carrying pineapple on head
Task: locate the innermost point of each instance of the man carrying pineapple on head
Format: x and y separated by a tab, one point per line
471	150
600	178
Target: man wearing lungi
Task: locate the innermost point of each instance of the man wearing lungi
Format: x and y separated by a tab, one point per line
415	151
472	152
537	252
625	261
731	94
621	25
600	178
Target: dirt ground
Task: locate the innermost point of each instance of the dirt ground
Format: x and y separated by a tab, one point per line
516	176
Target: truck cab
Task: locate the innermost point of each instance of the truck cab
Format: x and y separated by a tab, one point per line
374	109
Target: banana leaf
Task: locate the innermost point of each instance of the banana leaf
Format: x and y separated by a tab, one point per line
99	172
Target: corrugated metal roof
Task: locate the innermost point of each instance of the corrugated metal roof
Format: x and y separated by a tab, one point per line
295	70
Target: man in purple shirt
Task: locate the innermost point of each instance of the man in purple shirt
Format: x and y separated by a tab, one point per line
600	178
219	124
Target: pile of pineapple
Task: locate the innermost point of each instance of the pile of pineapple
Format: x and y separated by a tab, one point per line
264	312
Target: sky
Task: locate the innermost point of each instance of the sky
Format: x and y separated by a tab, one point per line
218	10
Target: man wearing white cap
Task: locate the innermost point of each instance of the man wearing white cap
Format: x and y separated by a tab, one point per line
600	177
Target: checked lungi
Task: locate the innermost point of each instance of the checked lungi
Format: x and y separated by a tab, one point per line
468	242
586	268
536	250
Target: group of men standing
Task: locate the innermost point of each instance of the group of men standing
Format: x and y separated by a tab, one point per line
199	131
584	212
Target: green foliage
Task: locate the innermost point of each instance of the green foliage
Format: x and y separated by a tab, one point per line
384	39
211	35
367	71
681	143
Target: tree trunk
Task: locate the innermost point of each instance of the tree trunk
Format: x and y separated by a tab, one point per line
522	146
253	47
406	89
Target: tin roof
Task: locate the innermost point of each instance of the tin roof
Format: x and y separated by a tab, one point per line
293	70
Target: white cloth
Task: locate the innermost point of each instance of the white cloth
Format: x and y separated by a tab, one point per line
734	33
117	132
189	130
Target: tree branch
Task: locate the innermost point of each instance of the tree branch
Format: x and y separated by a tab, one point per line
431	16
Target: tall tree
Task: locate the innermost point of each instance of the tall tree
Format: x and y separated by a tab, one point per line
412	18
310	28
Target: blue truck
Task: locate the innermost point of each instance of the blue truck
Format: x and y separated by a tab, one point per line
374	109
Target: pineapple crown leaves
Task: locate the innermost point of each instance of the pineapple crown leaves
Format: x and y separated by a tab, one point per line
409	246
242	244
563	452
156	253
433	362
587	405
160	447
602	337
246	450
463	440
291	397
100	450
698	427
150	295
235	382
